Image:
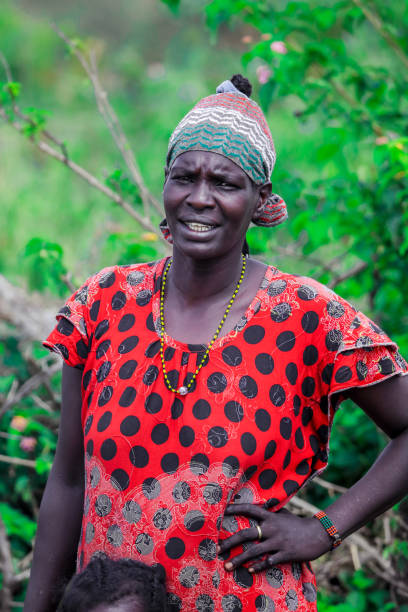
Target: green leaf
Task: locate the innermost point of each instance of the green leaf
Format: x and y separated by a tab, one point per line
172	4
16	523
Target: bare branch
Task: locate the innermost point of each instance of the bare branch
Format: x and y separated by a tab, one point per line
112	121
17	461
378	25
352	272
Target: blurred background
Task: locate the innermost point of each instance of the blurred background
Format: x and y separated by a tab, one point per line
331	78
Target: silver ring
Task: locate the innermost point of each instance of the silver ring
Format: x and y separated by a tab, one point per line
258	527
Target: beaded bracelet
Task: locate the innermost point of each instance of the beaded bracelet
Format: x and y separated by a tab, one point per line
329	527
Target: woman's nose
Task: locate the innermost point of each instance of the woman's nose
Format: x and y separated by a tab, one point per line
200	195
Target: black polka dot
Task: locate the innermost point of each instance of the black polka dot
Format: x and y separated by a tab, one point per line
90	447
94	311
343	374
333	339
361	370
143	297
204	603
234	411
248	387
307	415
169	463
199	464
103	371
128	344
231	603
254	334
286	341
212	493
177	408
130	425
160	433
194	520
285	428
270	449
65	327
267	479
306	293
263	603
232	356
299	440
162	519
169	353
105	396
248	443
310	355
230	466
108	449
386	366
243	577
308	386
118	300
181	492
101	329
88	424
103	505
201	409
104	421
82	349
216	382
127	370
302	468
139	456
120	479
150	375
173	376
152	349
310	321
286	460
249	472
128	397
291	372
175	548
264	363
327	373
150	323
107	280
281	312
323	433
186	436
262	419
290	486
217	437
207	550
102	348
277	395
153	403
126	322
335	309
62	349
296	405
314	443
277	287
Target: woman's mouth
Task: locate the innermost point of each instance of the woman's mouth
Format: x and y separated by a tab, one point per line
199	227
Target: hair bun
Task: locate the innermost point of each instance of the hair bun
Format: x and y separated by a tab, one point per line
241	83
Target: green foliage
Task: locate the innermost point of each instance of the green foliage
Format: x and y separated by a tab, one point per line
172	4
46	269
364	596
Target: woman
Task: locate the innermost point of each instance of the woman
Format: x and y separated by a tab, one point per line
194	440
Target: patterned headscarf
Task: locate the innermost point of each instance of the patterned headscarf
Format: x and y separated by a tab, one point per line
231	124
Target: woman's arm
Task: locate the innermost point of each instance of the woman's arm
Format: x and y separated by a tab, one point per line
62	505
288	537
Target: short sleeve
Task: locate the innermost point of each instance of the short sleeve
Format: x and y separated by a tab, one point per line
365	357
72	336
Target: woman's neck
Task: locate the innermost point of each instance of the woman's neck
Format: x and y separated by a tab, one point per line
196	279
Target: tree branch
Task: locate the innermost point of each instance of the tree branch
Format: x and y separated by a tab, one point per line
6	565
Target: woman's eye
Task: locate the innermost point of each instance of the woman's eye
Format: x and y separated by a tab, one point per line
226	185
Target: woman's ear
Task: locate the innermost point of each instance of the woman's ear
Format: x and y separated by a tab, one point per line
264	192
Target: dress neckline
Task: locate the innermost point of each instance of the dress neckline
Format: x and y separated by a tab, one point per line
251	310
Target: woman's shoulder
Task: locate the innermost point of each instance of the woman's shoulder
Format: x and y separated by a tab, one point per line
129	274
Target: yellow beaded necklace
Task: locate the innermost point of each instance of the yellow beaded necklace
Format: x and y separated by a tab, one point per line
183	390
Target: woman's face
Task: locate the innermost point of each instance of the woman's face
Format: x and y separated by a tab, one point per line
209	203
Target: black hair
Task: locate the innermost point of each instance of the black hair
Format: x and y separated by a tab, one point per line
241	83
107	581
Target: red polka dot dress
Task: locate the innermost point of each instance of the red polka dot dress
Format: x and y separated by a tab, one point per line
161	468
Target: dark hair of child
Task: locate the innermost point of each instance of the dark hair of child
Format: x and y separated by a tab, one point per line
105	581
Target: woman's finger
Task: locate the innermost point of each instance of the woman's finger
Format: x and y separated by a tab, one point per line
257	550
251	510
268	562
244	535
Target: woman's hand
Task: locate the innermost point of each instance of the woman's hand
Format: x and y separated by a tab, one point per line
285	537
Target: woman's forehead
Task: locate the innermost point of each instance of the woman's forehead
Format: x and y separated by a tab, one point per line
193	160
